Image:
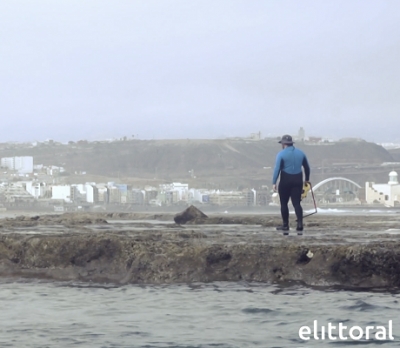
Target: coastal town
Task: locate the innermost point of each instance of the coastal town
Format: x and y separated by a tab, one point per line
25	184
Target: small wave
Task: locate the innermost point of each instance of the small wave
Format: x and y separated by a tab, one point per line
360	343
172	345
258	310
361	306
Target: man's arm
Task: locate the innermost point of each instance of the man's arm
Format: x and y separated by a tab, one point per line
277	168
306	168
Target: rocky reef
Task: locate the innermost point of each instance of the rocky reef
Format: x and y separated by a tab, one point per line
345	251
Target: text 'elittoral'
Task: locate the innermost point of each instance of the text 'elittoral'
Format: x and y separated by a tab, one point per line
342	332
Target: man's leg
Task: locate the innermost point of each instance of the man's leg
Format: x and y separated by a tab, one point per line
284	195
295	196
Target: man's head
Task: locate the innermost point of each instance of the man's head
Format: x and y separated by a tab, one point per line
286	141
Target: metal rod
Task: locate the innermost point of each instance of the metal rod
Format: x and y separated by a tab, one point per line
315	204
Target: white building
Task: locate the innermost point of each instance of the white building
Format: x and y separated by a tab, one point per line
387	194
37	189
7	162
231	198
92	193
16	192
102	190
23	165
180	191
302	134
53	170
198	195
61	192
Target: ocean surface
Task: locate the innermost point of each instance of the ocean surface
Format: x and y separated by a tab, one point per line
225	314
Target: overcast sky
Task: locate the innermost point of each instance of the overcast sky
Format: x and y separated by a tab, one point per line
83	69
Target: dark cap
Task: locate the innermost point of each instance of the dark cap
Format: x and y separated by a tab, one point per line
286	140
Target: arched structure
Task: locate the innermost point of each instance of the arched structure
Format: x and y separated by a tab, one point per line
336	190
323	182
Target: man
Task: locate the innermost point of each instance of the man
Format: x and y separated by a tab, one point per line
289	163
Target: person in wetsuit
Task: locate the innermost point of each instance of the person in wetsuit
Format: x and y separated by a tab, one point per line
288	166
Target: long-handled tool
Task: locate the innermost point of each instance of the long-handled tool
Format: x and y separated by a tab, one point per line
308	187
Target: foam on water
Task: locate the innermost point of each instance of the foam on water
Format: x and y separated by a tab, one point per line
328	211
350	211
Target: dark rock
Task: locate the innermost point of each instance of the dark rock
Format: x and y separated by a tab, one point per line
189	214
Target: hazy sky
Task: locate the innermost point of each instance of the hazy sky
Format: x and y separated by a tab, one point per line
97	69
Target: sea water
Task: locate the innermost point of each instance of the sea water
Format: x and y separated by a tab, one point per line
223	314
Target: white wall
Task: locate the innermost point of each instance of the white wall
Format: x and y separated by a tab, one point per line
394	195
384	188
89	193
81	188
61	192
24	165
383	193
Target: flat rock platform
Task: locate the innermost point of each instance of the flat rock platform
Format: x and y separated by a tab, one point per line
348	251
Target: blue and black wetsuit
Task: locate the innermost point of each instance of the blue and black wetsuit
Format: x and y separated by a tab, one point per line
289	163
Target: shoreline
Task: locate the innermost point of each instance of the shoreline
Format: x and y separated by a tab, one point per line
207	209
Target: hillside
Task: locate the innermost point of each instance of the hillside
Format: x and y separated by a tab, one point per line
395	153
221	162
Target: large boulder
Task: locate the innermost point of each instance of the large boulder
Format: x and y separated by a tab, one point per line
189	214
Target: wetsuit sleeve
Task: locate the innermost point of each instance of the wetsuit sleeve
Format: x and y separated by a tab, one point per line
306	168
277	169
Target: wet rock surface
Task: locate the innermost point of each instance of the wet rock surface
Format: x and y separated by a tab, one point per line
347	251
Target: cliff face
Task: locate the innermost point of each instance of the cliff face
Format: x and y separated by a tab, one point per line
350	253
